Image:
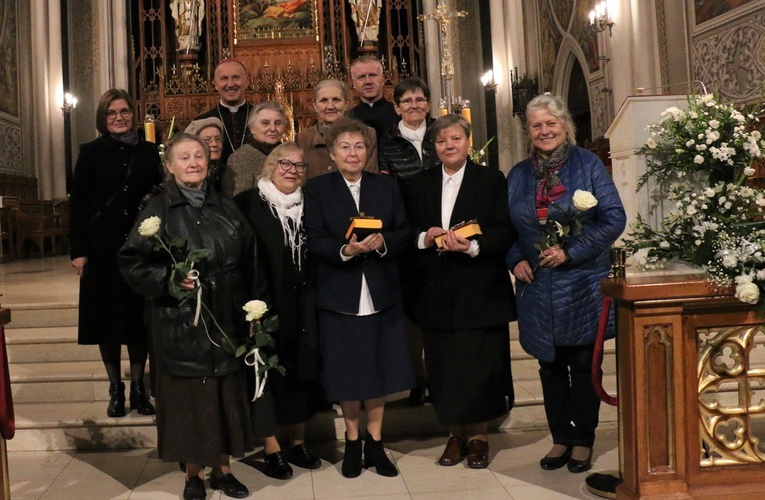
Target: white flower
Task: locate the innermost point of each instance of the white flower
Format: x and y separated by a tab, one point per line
664	244
255	309
729	261
691	210
698	159
748	292
709	192
150	226
748	171
714	124
584	200
650	143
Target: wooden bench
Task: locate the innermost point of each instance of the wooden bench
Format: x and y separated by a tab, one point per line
44	224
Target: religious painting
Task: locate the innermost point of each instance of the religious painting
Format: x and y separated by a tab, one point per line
586	37
274	19
551	35
708	9
9	62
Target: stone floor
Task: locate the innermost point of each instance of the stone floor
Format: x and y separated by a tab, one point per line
514	473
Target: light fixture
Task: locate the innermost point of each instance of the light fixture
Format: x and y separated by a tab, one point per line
599	18
70	102
524	89
487	80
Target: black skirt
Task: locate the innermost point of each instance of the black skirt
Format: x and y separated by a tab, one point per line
284	402
364	357
469	374
198	420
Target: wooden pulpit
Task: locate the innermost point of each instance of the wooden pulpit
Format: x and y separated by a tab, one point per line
691	381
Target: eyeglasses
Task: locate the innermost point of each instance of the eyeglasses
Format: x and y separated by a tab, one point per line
124	113
210	140
286	165
409	101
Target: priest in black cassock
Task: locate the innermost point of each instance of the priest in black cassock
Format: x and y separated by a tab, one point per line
374	110
230	81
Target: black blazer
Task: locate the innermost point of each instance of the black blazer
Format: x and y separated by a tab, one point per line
329	206
456	291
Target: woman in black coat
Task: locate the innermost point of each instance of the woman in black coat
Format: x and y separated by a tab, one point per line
203	415
112	174
362	334
275	211
465	297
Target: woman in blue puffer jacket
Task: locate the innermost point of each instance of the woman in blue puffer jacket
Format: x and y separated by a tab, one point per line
558	290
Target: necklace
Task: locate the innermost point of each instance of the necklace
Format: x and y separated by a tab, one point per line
233	123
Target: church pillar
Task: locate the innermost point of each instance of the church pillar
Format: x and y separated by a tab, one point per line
47	98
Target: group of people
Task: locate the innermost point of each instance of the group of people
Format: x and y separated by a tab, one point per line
355	312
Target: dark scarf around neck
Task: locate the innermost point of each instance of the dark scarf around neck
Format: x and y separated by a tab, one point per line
263	147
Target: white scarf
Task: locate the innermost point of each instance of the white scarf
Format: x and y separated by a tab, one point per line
414	136
286	207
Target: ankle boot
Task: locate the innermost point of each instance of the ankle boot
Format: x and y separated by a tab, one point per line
352	458
375	456
116	400
138	400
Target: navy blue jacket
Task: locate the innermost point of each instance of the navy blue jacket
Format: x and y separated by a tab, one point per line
329	207
561	307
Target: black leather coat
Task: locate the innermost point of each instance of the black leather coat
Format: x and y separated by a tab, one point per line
397	156
180	348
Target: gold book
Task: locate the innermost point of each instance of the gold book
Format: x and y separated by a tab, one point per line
362	226
467	230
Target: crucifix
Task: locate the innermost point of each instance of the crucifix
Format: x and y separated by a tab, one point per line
443	18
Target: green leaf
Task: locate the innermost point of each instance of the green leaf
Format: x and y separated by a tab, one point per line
271	323
240	351
197	254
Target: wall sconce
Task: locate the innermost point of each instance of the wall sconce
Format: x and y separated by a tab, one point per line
487	80
524	90
599	19
70	102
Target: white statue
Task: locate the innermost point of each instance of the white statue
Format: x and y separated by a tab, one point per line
188	15
366	17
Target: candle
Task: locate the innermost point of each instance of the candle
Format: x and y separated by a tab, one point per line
442	111
466	115
150	131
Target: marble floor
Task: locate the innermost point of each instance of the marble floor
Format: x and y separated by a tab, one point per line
514	473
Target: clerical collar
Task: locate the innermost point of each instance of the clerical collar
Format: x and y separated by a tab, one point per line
373	103
233	109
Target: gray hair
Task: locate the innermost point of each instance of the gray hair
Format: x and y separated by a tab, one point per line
263	106
332	82
555	106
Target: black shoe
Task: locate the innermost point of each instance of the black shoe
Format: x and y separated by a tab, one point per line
300	456
577	466
603	484
352	458
230	485
194	489
116	400
277	467
416	396
138	400
375	456
552	463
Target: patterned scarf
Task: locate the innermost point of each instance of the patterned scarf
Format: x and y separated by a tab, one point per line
288	210
549	186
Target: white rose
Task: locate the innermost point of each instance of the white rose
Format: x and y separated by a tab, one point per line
255	309
729	261
698	159
714	124
149	227
748	292
584	200
650	143
748	171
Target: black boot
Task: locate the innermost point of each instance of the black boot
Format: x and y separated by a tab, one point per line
352	458
138	400
375	456
116	400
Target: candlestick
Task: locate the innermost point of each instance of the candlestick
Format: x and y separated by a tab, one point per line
150	129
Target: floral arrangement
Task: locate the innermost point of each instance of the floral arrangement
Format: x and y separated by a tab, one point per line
702	159
183	267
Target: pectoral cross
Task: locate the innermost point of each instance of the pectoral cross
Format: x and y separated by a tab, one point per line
443	18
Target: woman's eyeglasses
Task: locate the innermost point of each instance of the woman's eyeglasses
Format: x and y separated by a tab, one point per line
286	165
124	113
209	140
409	101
